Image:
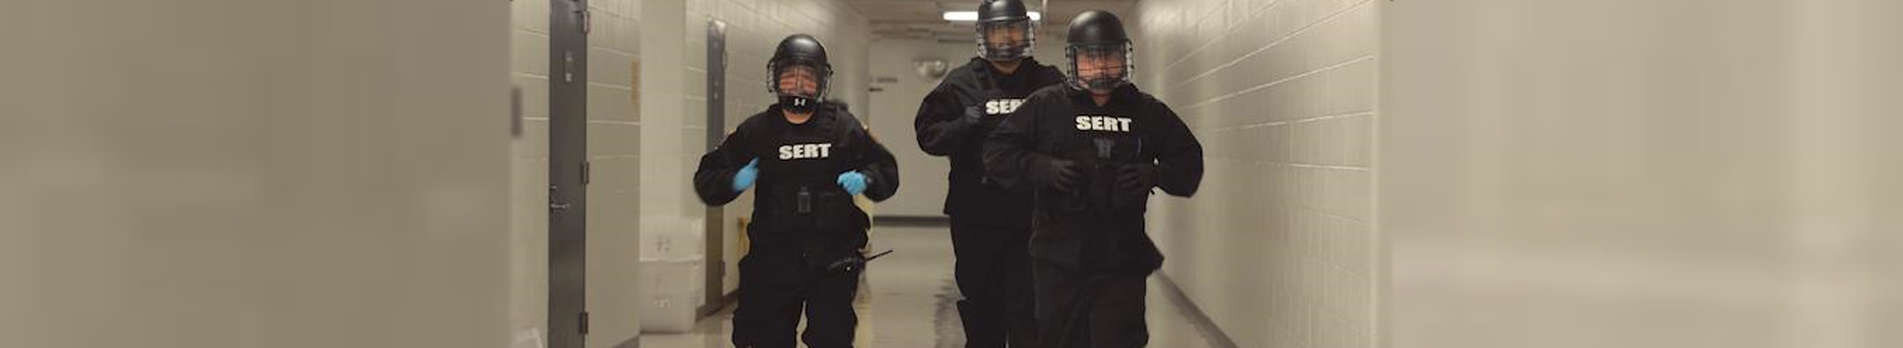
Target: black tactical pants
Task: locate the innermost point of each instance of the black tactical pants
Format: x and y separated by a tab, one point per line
776	285
1089	310
994	273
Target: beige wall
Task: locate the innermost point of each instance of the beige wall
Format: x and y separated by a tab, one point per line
1641	173
254	174
528	175
614	132
1278	247
923	175
673	238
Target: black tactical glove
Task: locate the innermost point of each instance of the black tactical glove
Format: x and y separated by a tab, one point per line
1138	176
1059	174
974	115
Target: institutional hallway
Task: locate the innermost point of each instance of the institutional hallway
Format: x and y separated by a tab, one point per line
1375	174
910	298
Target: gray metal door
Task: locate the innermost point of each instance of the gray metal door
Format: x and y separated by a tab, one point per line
716	131
567	173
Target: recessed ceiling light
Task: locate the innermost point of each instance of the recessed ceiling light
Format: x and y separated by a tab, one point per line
972	16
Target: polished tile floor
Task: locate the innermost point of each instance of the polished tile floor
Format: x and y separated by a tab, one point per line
907	302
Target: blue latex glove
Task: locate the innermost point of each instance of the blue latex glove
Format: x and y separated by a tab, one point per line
743	179
853	182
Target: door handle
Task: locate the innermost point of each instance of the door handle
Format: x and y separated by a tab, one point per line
555	203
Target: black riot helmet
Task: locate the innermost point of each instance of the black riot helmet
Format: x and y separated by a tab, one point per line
1097	39
1005	30
801	61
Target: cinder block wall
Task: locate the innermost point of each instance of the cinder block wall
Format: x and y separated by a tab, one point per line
923	175
613	152
528	174
1278	248
614	120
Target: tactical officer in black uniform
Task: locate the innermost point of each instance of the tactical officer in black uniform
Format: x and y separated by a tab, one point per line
990	225
810	158
1093	149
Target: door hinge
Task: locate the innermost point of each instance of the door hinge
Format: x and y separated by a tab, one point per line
584	17
587	21
584	323
587	171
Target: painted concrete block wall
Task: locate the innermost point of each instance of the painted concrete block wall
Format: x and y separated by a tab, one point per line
923	175
674	256
528	175
255	174
1278	247
1641	173
614	132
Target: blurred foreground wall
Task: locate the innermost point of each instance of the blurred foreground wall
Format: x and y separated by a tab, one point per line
1641	173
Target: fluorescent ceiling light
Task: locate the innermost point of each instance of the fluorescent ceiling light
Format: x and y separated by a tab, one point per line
972	16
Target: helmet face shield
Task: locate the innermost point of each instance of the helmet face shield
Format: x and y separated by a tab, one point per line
1006	40
1100	68
799	84
798	80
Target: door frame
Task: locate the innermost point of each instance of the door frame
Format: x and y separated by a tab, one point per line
568	173
716	293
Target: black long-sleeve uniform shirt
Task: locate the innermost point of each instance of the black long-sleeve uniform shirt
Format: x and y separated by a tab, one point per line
942	132
1094	226
801	162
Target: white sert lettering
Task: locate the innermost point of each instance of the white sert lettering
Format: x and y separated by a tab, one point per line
1103	123
805	151
1002	106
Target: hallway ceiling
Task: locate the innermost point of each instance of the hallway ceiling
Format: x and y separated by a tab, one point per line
922	19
